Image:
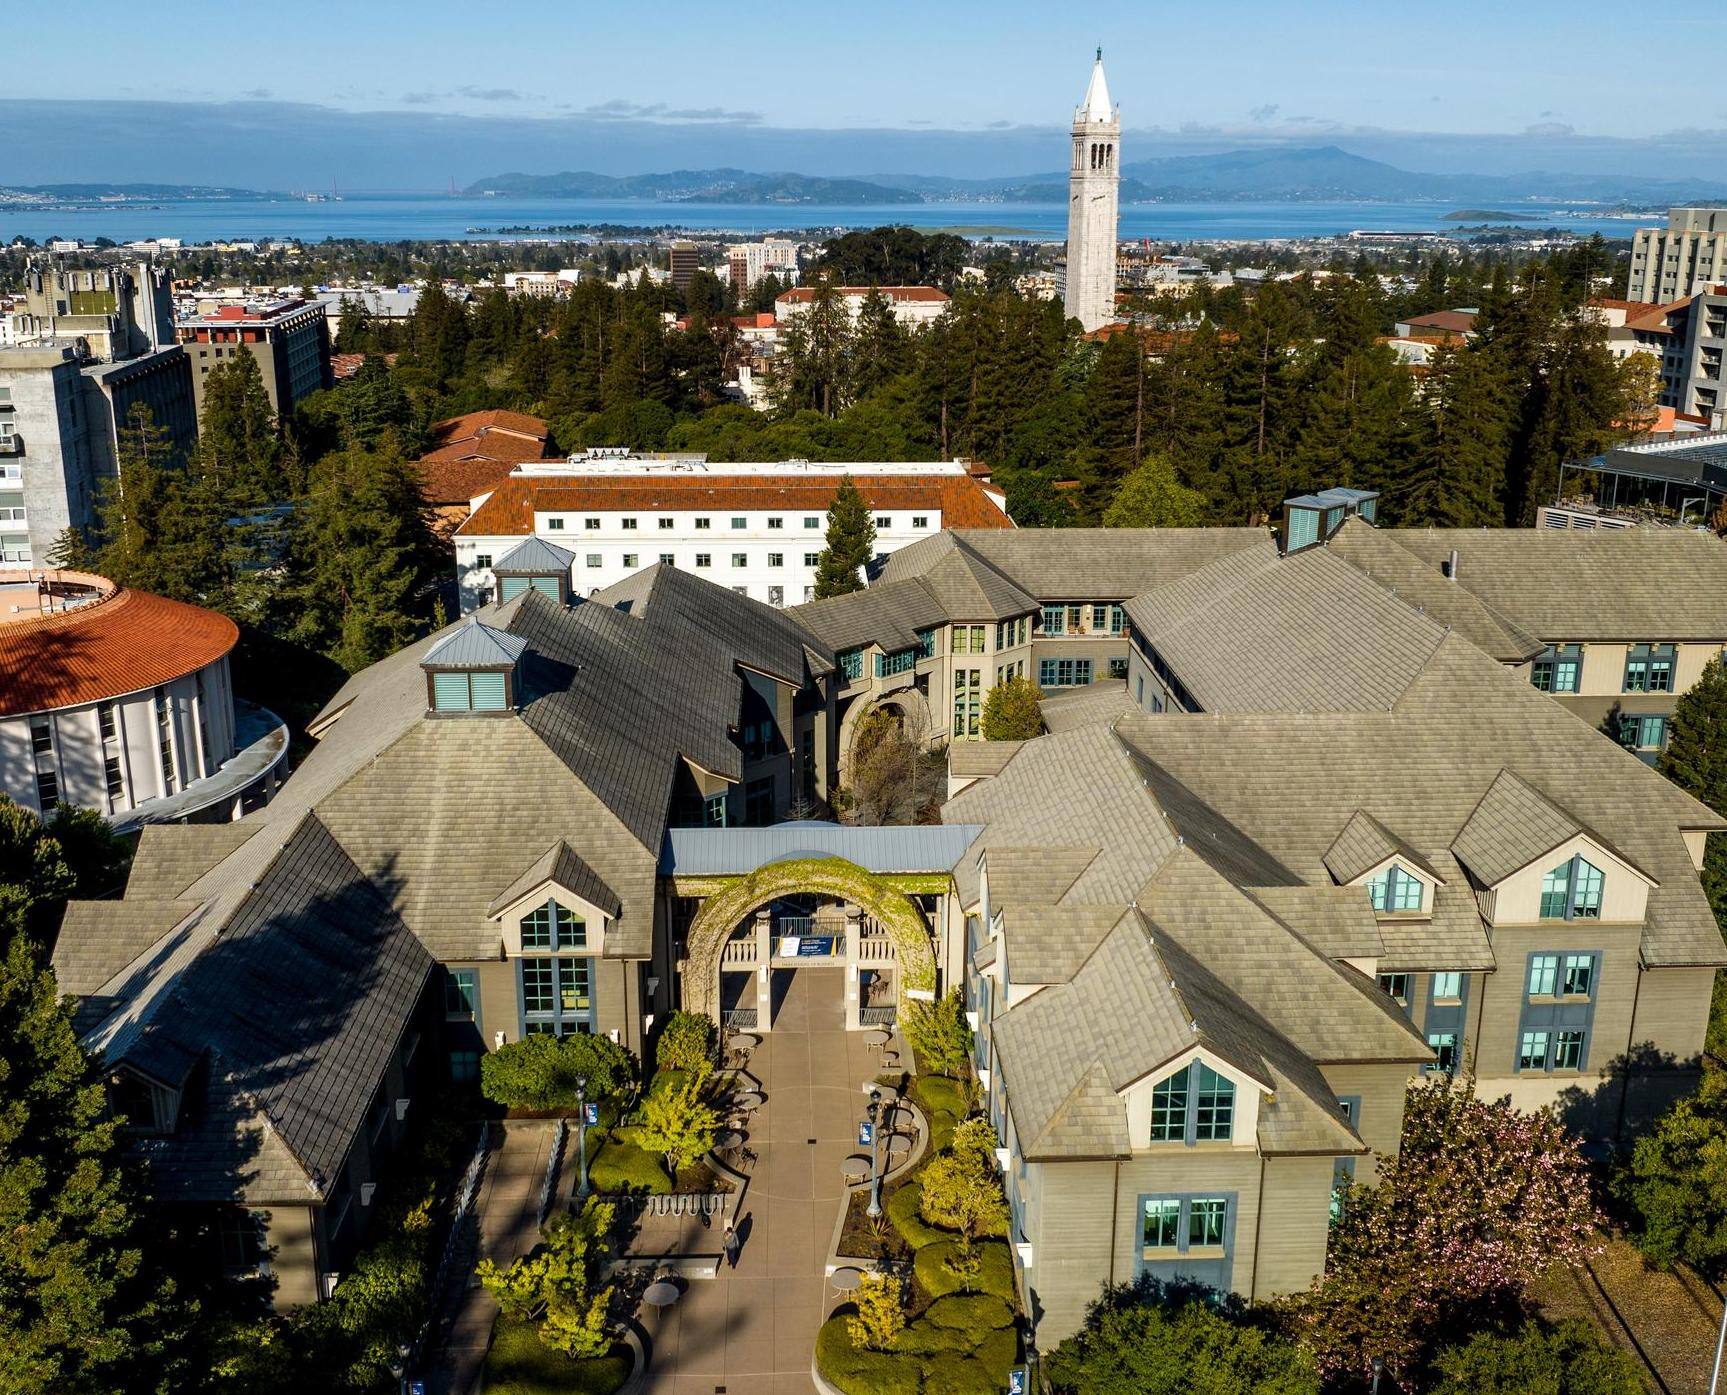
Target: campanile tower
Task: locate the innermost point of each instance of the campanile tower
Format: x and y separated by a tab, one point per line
1093	183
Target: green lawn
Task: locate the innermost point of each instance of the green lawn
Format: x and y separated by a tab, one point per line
519	1363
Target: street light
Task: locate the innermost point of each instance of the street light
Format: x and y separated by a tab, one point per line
874	1156
1378	1370
582	1137
1720	1339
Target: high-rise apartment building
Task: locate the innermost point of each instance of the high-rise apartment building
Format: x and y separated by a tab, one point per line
290	339
686	260
1686	257
750	261
1094	177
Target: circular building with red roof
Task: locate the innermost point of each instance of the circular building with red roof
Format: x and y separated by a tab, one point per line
117	700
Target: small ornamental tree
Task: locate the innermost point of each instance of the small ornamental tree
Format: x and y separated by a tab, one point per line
960	1191
1148	1339
677	1123
1676	1182
1011	713
1152	497
686	1043
1479	1201
938	1034
542	1071
850	543
880	1312
557	1285
1565	1359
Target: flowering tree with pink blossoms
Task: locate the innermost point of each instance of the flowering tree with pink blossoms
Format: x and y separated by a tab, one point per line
1481	1199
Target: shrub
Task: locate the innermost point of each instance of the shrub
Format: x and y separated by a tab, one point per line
937	1094
974	1312
620	1166
1566	1359
520	1364
880	1315
926	1339
941	1127
558	1284
1676	1182
960	1189
857	1372
1011	711
933	1266
903	1211
938	1034
998	1351
677	1123
541	1071
961	1376
686	1042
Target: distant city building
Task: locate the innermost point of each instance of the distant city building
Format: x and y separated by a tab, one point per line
290	339
912	305
119	701
686	261
748	262
1687	256
87	346
758	528
387	303
1093	182
1688	339
542	285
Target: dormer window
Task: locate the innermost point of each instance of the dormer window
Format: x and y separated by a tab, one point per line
147	1108
1572	891
534	565
473	669
1195	1105
554	926
1395	890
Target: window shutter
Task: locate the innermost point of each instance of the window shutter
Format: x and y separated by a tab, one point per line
513	586
450	692
547	586
488	691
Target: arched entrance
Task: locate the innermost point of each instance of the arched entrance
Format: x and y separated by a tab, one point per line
905	704
734	904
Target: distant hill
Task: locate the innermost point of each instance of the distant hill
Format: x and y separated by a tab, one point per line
695	186
128	191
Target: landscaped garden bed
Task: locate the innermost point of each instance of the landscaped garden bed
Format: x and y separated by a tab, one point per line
519	1363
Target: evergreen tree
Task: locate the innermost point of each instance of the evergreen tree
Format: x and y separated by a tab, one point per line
850	543
1696	761
879	347
1457	479
353	327
238	445
1114	419
373	402
813	366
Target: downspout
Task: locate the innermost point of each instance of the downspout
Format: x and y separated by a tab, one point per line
1114	1212
1258	1225
1625	1081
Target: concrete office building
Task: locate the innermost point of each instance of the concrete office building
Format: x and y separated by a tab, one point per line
119	701
290	339
686	261
756	527
1687	256
748	262
91	345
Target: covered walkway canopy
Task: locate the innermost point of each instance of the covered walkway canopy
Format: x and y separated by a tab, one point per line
730	852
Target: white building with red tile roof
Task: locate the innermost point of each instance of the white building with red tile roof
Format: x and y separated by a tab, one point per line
912	305
755	526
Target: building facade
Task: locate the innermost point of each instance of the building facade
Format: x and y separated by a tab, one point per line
748	262
1093	191
912	306
757	528
1689	255
290	340
119	701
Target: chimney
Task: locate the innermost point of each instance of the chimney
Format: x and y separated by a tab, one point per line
1451	565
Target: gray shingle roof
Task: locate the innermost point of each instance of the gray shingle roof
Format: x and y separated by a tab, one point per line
1628	584
100	938
561	865
1307	633
1365	843
534	557
890	614
1102	701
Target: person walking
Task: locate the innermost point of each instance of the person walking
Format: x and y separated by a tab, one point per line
731	1245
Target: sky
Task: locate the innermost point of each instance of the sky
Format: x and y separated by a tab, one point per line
1530	84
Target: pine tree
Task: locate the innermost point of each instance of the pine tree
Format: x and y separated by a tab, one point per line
813	366
1696	761
1458	477
850	543
239	449
879	346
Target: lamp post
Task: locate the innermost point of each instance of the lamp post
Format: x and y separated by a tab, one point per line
582	1137
1378	1371
874	1155
1720	1341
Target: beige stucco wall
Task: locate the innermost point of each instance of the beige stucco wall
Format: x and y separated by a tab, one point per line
1294	1222
1517	899
1381	1088
289	1233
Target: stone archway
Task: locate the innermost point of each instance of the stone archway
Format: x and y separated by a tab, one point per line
914	715
732	899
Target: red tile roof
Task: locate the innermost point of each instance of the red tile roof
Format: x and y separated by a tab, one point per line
1450	321
802	295
123	643
474	453
960	499
472	424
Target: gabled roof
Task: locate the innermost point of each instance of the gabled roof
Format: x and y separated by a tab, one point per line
533	557
100	938
1365	843
1513	826
475	644
559	865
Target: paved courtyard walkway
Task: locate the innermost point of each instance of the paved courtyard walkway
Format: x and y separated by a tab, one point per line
752	1330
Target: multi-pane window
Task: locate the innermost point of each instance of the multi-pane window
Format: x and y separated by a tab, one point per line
1447	987
1572	891
1055	620
47	789
1543	975
1578	976
920	520
1206	1218
1649	669
1395	890
554	926
105	719
1162	1223
704	523
850	661
112	777
165	740
926	644
704	559
776	559
740	523
812	559
968	639
886	665
555	525
1396	986
630	558
1063	673
812	521
1558	1010
1195	1105
1075	619
668	559
714	811
776	523
1532	1051
740	559
629	525
1568	1051
967	701
1558	670
1444	1046
1643	731
883	521
1011	632
41	736
461	994
596	560
557	995
666	523
591	524
1173	1225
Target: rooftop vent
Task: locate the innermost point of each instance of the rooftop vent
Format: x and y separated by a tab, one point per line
474	668
1312	519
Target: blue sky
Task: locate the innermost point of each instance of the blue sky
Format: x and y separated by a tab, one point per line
1468	66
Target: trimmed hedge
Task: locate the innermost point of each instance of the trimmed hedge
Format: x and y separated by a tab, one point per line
519	1363
998	1351
995	1275
858	1372
963	1376
902	1210
620	1166
937	1094
970	1312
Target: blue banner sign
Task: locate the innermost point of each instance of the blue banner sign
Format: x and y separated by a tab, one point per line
866	1134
